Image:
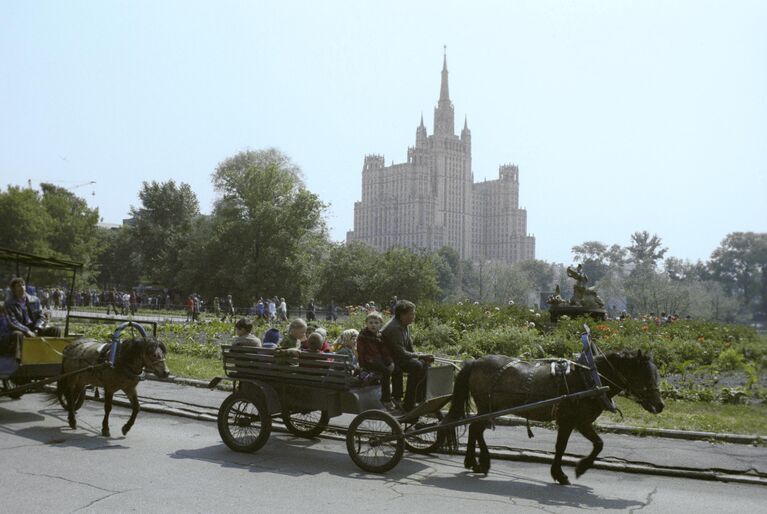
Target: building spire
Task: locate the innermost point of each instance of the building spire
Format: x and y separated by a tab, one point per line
421	125
444	112
444	91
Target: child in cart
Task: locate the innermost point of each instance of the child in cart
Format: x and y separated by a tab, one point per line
374	357
346	344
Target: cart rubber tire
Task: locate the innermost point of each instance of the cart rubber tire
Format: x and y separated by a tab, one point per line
306	424
243	422
78	402
426	443
364	451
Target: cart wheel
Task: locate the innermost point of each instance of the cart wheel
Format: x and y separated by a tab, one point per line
78	401
306	424
243	422
428	442
363	445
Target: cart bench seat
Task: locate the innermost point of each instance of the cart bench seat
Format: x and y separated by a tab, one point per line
325	370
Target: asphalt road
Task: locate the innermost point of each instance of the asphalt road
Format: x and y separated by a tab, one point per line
174	464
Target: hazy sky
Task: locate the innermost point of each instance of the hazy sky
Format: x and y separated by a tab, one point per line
622	115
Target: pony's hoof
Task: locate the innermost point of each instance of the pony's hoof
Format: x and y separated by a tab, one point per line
561	478
580	469
73	424
125	429
105	433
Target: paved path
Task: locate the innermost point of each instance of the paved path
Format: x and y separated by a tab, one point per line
721	459
172	464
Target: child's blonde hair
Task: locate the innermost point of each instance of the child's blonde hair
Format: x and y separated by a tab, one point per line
346	339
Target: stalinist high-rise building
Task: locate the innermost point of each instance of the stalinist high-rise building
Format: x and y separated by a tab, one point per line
432	201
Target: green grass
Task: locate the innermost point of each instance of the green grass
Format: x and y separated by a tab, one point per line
686	415
190	366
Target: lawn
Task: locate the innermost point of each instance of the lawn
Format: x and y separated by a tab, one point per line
687	415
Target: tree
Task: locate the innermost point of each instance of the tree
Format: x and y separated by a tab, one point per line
162	228
448	265
645	250
26	225
117	264
265	228
503	283
346	274
597	258
406	275
539	274
74	233
739	265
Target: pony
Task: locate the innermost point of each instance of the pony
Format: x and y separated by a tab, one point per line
133	357
497	382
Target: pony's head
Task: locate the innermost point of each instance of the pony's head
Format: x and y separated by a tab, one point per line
152	354
639	377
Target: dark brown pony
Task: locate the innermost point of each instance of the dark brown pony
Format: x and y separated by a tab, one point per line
497	382
134	356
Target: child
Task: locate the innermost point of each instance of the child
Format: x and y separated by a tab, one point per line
243	329
312	328
373	355
346	344
296	334
272	338
314	343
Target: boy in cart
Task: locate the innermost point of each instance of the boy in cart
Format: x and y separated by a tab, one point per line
374	357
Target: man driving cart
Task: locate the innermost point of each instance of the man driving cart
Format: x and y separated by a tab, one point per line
397	340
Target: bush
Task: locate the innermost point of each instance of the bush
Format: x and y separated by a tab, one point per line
729	360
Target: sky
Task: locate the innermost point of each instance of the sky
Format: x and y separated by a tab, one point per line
621	115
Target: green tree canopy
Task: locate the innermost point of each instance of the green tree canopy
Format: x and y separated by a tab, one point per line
265	229
163	224
26	224
739	264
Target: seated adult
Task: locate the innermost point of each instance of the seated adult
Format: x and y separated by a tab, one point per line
397	340
10	340
25	313
243	329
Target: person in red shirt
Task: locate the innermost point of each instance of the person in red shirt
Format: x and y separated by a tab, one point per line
374	357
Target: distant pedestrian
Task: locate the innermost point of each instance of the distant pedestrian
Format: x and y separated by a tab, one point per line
228	310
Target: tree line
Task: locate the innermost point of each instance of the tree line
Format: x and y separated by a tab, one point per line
267	236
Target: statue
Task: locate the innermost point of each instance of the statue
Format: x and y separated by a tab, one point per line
583	296
585	300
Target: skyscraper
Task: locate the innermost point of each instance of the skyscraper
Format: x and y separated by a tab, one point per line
432	201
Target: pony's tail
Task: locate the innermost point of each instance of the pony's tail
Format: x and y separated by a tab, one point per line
459	404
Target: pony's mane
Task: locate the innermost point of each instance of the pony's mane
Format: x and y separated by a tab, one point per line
629	355
141	344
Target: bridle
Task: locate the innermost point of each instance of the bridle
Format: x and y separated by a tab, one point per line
642	394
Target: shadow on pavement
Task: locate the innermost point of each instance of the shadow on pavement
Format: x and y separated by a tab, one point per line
85	436
296	457
518	487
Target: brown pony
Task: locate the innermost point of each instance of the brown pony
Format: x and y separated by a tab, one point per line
497	382
134	356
